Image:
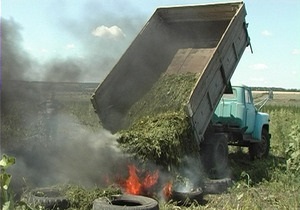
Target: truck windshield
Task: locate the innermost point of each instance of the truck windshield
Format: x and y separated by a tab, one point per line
229	95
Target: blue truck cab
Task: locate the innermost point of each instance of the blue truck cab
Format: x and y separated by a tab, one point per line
237	116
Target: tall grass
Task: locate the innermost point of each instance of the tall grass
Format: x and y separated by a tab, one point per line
283	121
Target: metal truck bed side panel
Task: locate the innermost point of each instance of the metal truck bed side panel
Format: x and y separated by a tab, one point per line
203	39
219	70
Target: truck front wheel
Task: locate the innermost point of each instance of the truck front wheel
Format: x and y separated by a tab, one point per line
261	149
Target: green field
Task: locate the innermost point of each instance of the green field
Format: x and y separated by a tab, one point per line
272	183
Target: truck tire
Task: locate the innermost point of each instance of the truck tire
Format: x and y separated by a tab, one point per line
47	198
214	153
217	186
126	202
261	149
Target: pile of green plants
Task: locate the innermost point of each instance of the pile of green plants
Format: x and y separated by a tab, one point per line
159	129
169	93
163	138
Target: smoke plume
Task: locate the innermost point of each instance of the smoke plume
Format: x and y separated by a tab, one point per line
75	154
15	61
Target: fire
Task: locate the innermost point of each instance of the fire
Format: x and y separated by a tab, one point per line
150	180
167	190
135	185
143	183
132	184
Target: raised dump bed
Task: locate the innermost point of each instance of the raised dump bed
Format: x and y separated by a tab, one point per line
205	41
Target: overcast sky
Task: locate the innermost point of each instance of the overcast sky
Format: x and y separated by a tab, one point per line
85	34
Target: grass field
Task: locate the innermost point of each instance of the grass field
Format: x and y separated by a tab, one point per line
272	183
279	98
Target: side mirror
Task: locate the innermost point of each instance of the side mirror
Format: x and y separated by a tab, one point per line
260	104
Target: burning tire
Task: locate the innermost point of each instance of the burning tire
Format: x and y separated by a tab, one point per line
47	198
126	202
186	198
217	186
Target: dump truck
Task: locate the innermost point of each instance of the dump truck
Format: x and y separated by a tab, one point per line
208	41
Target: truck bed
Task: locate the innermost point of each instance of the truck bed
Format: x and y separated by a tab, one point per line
207	40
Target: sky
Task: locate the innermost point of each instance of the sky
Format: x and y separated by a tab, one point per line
87	37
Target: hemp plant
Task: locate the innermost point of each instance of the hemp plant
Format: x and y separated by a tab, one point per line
5	178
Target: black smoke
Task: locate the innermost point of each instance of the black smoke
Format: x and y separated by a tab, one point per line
76	154
102	52
99	53
69	70
15	61
16	64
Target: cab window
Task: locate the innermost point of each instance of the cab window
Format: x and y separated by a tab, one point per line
247	97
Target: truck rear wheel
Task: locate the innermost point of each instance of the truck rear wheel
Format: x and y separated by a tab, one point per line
214	153
261	149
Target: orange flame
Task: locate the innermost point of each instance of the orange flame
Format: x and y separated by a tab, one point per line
133	184
167	190
150	180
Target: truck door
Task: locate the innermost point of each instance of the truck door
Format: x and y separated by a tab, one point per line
250	111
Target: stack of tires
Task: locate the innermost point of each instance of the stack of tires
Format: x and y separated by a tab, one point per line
53	198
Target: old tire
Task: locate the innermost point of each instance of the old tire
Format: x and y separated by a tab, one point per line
217	186
186	198
214	153
261	149
126	202
47	198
